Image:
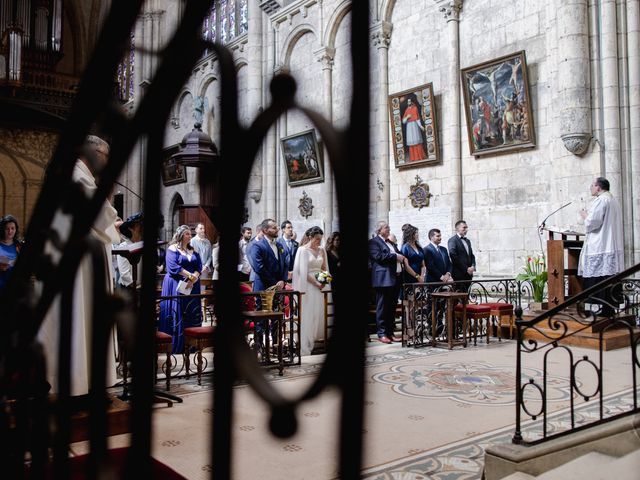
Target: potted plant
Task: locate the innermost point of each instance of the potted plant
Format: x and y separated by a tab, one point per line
535	272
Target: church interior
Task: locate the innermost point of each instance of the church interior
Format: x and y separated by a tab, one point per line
341	116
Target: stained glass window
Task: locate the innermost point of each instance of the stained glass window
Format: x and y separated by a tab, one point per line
226	20
125	74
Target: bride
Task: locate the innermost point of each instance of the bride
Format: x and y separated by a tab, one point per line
310	259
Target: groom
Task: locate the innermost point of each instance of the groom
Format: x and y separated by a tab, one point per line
269	264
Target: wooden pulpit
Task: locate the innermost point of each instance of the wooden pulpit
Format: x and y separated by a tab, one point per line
563	254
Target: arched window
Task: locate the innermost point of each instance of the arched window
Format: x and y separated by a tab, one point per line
227	19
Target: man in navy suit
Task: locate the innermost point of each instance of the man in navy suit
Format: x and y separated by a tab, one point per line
386	271
268	262
289	243
463	261
438	265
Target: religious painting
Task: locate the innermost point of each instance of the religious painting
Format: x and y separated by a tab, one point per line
414	130
497	105
172	173
302	158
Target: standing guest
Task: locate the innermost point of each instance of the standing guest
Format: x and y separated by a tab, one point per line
183	264
602	254
310	260
269	265
333	258
438	270
133	232
290	244
244	268
386	268
9	247
463	261
92	159
203	246
412	250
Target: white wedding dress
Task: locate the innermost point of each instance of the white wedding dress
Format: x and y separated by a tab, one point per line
306	265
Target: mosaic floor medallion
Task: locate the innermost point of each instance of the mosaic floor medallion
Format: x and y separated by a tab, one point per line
471	383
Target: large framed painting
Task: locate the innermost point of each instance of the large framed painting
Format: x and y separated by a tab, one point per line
302	158
497	105
414	129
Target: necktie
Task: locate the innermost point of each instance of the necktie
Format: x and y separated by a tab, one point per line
442	255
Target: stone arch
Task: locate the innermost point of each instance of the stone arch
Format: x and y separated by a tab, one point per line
333	25
14	182
174	214
386	10
291	40
77	29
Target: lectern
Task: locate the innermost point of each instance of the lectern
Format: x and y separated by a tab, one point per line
563	254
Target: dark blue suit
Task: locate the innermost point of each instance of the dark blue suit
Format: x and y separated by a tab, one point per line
386	282
291	252
266	269
437	262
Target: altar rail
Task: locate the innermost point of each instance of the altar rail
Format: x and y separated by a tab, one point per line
551	374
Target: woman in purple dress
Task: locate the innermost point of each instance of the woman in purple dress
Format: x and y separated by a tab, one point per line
182	264
9	247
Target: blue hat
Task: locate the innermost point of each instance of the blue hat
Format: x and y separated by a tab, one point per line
131	219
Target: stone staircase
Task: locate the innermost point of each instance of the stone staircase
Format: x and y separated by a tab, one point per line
607	451
614	337
592	466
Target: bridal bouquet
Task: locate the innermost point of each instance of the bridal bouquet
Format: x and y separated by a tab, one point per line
323	277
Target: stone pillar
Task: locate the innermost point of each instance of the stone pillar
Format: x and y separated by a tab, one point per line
325	57
253	103
268	170
633	49
574	75
381	37
610	95
282	190
451	11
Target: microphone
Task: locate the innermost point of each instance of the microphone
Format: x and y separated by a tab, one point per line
130	191
544	222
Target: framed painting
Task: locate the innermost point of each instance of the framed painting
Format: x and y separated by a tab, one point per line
414	130
497	105
302	158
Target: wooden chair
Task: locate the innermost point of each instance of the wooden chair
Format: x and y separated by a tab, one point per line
475	314
164	344
500	311
199	338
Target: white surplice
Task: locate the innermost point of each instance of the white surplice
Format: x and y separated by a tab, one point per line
104	230
603	250
305	266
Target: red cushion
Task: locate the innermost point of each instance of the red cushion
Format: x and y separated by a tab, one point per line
117	458
199	332
162	337
498	306
248	302
473	308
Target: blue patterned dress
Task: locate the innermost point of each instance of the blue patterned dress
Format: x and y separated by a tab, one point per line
178	313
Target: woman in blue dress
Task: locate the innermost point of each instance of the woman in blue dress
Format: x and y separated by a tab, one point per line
182	263
414	267
9	247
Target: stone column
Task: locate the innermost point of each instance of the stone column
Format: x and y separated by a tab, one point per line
574	75
325	57
381	37
451	11
610	95
254	89
633	49
268	171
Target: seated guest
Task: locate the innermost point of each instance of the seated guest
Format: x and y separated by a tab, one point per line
9	247
182	264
